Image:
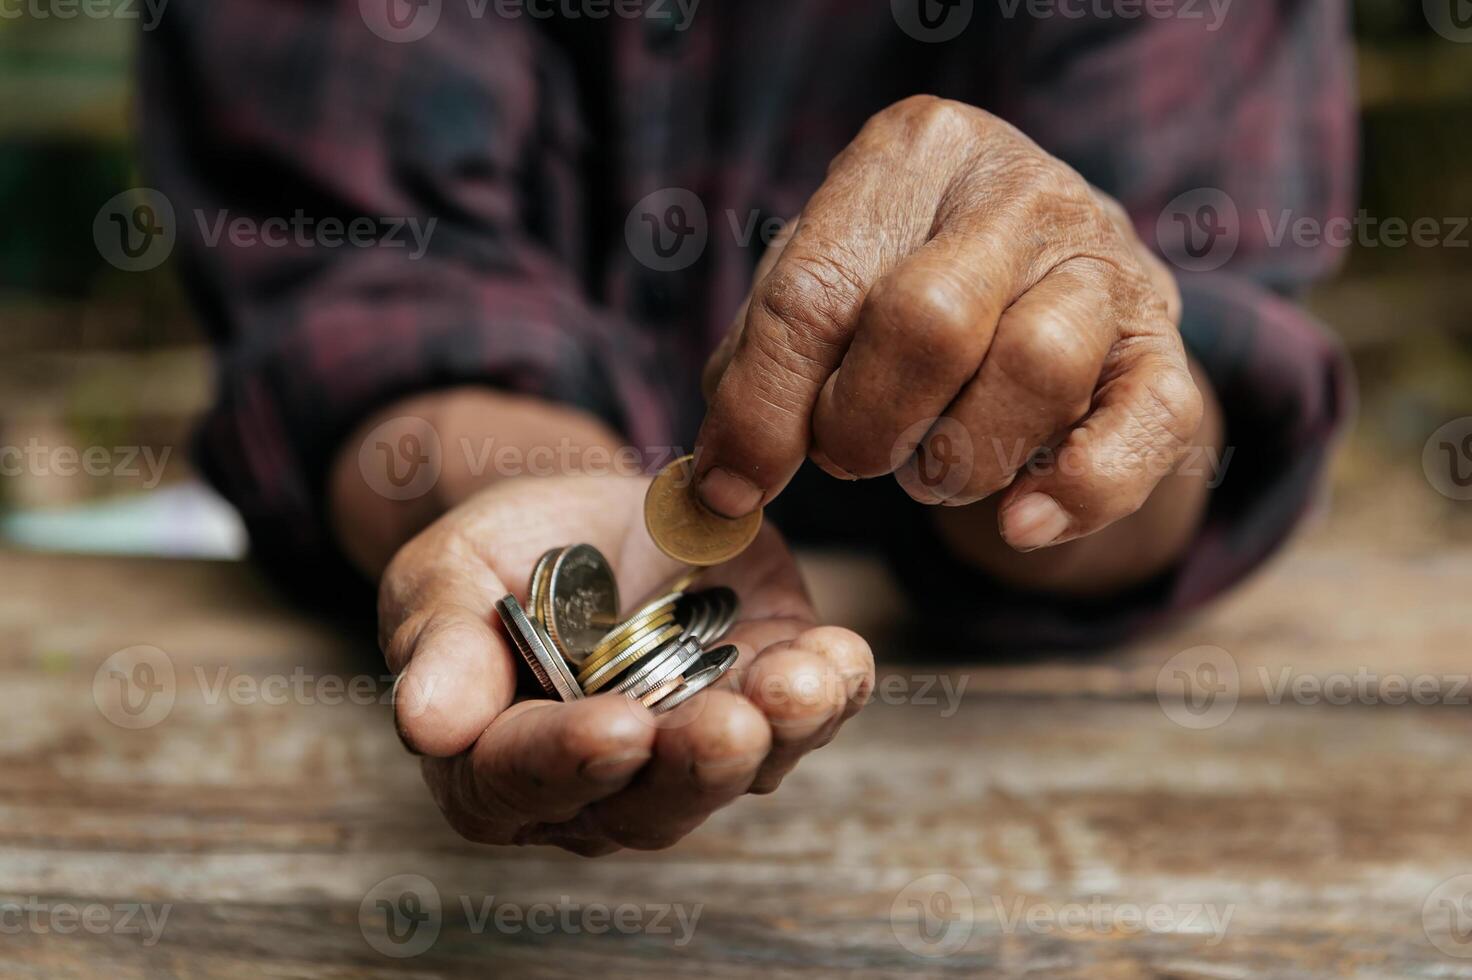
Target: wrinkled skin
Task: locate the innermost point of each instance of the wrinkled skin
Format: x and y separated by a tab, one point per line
602	773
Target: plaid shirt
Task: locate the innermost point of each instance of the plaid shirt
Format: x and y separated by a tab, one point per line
532	131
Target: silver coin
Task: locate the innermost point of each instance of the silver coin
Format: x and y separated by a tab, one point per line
725	605
536	649
582	601
694	613
674	661
711	667
656	660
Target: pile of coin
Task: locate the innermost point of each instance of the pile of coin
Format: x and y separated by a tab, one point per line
661	655
664	653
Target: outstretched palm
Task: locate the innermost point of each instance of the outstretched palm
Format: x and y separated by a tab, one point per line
599	774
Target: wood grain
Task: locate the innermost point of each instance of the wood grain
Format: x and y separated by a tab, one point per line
1315	832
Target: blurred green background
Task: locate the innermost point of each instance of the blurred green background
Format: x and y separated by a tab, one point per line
90	355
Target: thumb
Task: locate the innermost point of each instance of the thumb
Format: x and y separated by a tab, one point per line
715	366
792	336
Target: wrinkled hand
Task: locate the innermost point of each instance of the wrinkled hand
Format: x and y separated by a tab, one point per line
949	268
602	773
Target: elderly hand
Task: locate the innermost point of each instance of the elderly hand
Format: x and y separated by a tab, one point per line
948	268
602	773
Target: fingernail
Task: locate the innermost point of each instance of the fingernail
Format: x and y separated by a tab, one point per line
1034	521
724	773
821	460
613	768
728	494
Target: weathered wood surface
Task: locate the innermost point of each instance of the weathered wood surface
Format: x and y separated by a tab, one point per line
1052	790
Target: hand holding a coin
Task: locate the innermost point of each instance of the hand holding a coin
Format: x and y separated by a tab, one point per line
950	274
598	773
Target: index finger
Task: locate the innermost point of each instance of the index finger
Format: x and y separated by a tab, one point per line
800	320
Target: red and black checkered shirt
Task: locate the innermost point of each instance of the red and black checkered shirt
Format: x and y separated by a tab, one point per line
531	130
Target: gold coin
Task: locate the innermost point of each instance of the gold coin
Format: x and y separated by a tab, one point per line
541	576
626	658
601	657
684	528
660	606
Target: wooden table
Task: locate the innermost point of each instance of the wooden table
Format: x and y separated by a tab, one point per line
1056	822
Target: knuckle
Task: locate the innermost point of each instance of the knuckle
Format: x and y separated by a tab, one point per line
1173	405
942	119
1054	367
1043	185
809	296
399	646
932	317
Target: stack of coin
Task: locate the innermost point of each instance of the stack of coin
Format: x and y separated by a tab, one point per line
661	655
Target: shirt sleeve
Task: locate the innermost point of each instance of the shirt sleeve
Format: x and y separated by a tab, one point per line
453	157
1251	116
